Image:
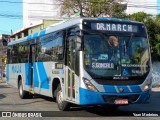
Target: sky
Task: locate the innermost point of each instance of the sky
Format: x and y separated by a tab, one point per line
10	16
148	6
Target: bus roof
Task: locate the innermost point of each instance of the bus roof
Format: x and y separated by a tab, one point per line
65	24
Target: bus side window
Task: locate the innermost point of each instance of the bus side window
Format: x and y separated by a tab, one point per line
39	54
9	58
52	47
26	53
14	53
20	53
71	52
23	50
33	53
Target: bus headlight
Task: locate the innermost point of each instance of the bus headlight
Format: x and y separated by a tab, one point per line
89	85
147	85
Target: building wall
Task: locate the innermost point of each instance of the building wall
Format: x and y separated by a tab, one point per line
45	24
148	6
36	10
35	29
32	29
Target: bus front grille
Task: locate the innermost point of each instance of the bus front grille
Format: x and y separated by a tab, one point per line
119	82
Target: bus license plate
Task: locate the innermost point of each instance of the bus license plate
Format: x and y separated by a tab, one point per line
121	101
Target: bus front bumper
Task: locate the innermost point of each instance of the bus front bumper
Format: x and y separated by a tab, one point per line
88	97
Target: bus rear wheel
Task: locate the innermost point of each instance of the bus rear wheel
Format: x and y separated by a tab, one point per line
62	105
23	94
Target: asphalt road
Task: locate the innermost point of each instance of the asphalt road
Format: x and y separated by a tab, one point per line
10	101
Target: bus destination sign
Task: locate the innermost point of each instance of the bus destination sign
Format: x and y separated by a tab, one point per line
114	27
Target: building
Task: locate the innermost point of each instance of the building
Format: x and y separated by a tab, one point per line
148	6
36	10
38	15
32	28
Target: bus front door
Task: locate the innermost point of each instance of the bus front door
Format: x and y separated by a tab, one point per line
31	66
70	70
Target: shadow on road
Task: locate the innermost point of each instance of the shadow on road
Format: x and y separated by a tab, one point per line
43	97
4	86
155	94
2	96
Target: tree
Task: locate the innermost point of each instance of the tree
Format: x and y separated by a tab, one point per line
152	24
157	34
94	8
148	20
140	16
158	48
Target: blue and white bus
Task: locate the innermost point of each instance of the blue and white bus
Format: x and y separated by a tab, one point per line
84	61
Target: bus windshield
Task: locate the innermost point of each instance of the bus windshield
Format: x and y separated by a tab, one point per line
115	55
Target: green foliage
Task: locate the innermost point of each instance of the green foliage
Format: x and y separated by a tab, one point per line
93	8
140	16
152	24
158	48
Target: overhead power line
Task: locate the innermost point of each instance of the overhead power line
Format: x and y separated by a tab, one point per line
4	31
44	3
128	5
32	17
43	11
15	16
11	16
13	2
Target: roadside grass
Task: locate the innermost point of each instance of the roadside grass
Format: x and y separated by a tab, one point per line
155	86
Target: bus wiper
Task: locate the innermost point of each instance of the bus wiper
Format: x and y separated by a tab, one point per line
130	40
125	48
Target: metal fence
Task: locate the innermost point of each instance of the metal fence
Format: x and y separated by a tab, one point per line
156	73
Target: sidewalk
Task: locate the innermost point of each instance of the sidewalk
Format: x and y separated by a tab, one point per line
3	80
156	89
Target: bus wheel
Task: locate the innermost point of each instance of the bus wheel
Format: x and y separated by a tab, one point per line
62	105
23	94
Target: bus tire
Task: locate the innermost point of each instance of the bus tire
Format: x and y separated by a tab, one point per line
62	105
23	94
